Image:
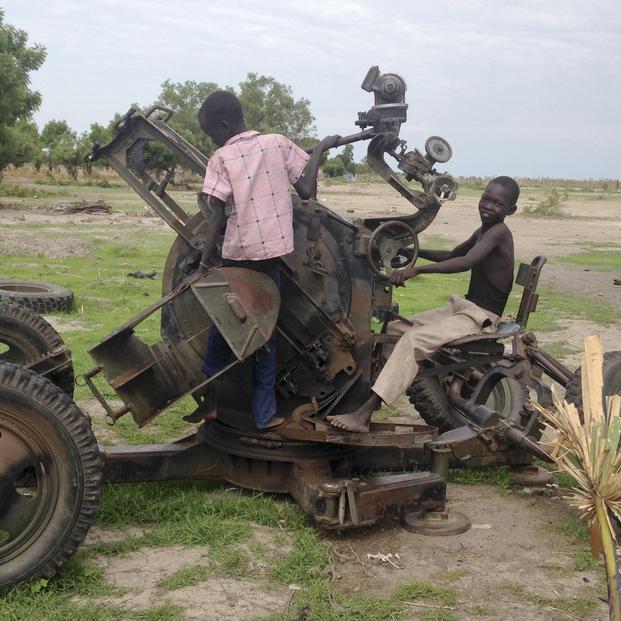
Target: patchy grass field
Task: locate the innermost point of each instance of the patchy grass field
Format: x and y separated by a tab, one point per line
173	551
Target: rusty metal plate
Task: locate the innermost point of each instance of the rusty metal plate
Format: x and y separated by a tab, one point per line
242	303
380	434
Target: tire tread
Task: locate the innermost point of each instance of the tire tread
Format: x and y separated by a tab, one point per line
48	395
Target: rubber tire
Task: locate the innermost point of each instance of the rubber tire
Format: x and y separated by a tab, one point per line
61	428
41	297
612	380
31	337
429	398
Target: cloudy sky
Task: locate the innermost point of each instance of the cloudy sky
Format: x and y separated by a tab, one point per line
523	87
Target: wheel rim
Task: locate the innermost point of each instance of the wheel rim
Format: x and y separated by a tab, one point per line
16	350
24	288
501	398
29	483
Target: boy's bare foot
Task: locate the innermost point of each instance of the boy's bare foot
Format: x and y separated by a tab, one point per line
277	421
358	421
348	422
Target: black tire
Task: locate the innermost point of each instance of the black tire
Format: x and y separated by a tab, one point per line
25	337
428	395
41	297
52	474
612	380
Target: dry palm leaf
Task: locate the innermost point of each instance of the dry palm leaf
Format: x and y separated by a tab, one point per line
588	450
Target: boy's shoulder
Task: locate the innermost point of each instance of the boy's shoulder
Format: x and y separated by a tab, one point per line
497	229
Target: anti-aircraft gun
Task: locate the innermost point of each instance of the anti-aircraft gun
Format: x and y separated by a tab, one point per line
328	355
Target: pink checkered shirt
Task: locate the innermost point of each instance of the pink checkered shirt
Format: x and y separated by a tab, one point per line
252	173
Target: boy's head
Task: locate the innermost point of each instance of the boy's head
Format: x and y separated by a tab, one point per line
221	116
499	200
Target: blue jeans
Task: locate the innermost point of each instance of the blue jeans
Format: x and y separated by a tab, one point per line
264	360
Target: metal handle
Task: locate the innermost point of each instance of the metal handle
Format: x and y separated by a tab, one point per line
168	112
111	415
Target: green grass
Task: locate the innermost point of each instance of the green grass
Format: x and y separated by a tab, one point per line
15	190
453	575
560	349
580	607
55	600
322	603
186	576
573	528
498	477
604	261
166	612
578	532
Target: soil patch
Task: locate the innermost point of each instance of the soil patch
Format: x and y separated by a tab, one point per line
213	599
22	243
573	334
66	325
512	542
591	284
106	434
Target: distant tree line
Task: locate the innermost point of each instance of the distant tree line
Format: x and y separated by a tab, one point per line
269	106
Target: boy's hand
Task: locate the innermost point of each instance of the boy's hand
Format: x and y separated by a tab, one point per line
399	277
328	142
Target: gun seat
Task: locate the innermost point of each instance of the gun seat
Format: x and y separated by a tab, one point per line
527	277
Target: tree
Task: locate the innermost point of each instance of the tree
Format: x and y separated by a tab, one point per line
17	101
347	157
25	143
185	99
63	146
340	164
334	167
269	107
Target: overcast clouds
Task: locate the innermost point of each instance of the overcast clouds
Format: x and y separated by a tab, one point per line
525	88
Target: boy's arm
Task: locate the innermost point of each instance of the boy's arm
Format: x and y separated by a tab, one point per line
213	211
306	185
489	240
443	255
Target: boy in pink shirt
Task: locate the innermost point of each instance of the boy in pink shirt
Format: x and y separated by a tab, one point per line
247	184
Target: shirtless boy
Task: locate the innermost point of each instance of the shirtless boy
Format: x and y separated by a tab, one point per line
489	254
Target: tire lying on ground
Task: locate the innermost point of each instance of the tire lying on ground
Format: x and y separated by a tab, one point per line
51	476
612	380
41	297
25	338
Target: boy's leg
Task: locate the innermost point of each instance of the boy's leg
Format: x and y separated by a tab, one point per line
399	328
415	345
264	404
218	356
218	353
419	342
263	378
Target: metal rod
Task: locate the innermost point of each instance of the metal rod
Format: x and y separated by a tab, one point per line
343	140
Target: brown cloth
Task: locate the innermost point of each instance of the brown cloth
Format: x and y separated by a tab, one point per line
430	331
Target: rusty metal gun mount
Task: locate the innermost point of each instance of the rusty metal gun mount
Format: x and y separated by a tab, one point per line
330	286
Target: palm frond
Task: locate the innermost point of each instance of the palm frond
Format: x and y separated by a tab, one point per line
588	450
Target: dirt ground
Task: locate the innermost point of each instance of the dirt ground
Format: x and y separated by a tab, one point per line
511	544
512	540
